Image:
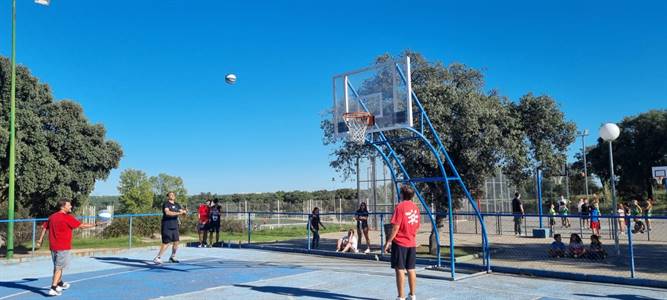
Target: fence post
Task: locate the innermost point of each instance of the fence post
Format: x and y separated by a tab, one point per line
631	252
308	231
499	226
382	234
525	226
130	234
476	225
581	226
249	227
34	232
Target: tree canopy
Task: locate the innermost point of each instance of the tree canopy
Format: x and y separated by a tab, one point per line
640	146
59	153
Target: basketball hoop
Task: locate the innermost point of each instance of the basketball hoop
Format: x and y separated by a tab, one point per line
659	179
357	124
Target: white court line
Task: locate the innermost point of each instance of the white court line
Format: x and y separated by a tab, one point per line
221	287
90	278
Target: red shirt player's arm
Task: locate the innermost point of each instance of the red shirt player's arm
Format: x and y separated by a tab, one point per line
72	222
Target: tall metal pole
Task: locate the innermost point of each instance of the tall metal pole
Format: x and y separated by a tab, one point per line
12	141
358	183
613	199
583	152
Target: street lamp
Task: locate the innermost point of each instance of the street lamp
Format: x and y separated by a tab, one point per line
12	136
583	134
609	132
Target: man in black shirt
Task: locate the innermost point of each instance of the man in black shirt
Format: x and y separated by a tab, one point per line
517	210
170	212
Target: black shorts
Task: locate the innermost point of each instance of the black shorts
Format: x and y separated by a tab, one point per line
403	258
170	235
214	226
202	226
362	225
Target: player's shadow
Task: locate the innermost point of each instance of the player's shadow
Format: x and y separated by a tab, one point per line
21	286
299	292
618	296
136	263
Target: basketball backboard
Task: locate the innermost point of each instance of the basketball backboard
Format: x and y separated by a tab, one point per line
383	90
659	173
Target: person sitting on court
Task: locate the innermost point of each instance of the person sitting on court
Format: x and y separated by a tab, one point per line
557	248
596	251
576	247
347	243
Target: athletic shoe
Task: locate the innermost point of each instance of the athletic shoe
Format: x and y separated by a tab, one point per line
157	261
63	285
53	292
412	297
199	246
173	260
368	250
399	298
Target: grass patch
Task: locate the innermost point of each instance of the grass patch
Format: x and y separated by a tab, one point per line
276	234
444	251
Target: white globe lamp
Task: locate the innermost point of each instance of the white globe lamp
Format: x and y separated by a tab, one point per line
609	132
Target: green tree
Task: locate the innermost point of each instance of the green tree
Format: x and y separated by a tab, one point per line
164	183
547	132
60	154
136	192
640	146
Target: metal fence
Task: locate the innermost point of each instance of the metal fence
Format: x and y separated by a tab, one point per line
639	254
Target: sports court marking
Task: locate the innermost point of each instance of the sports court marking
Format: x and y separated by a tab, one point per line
254	274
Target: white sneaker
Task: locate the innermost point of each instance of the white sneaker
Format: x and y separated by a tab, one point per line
157	261
199	246
64	286
53	292
399	298
368	250
412	297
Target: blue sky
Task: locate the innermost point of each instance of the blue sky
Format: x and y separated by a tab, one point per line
153	71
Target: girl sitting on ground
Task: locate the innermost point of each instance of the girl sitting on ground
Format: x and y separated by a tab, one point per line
347	243
596	251
576	247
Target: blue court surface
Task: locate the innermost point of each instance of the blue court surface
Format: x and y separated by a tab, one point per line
223	273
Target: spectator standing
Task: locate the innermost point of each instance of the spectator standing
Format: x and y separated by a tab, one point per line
518	212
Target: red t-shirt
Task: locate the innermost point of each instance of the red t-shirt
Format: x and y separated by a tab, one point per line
60	226
203	213
406	216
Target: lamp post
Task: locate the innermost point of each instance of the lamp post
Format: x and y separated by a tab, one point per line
12	137
583	134
609	132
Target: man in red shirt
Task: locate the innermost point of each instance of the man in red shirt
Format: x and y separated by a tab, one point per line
403	242
60	226
202	227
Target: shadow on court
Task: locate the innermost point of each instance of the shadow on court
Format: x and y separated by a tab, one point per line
299	292
21	286
136	263
620	296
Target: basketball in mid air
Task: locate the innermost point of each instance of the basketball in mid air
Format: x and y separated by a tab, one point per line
230	78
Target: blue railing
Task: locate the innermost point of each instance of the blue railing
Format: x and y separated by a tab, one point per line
249	219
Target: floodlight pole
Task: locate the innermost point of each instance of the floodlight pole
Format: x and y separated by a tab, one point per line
12	142
583	134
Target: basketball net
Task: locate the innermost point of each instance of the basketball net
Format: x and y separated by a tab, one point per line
357	124
659	180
